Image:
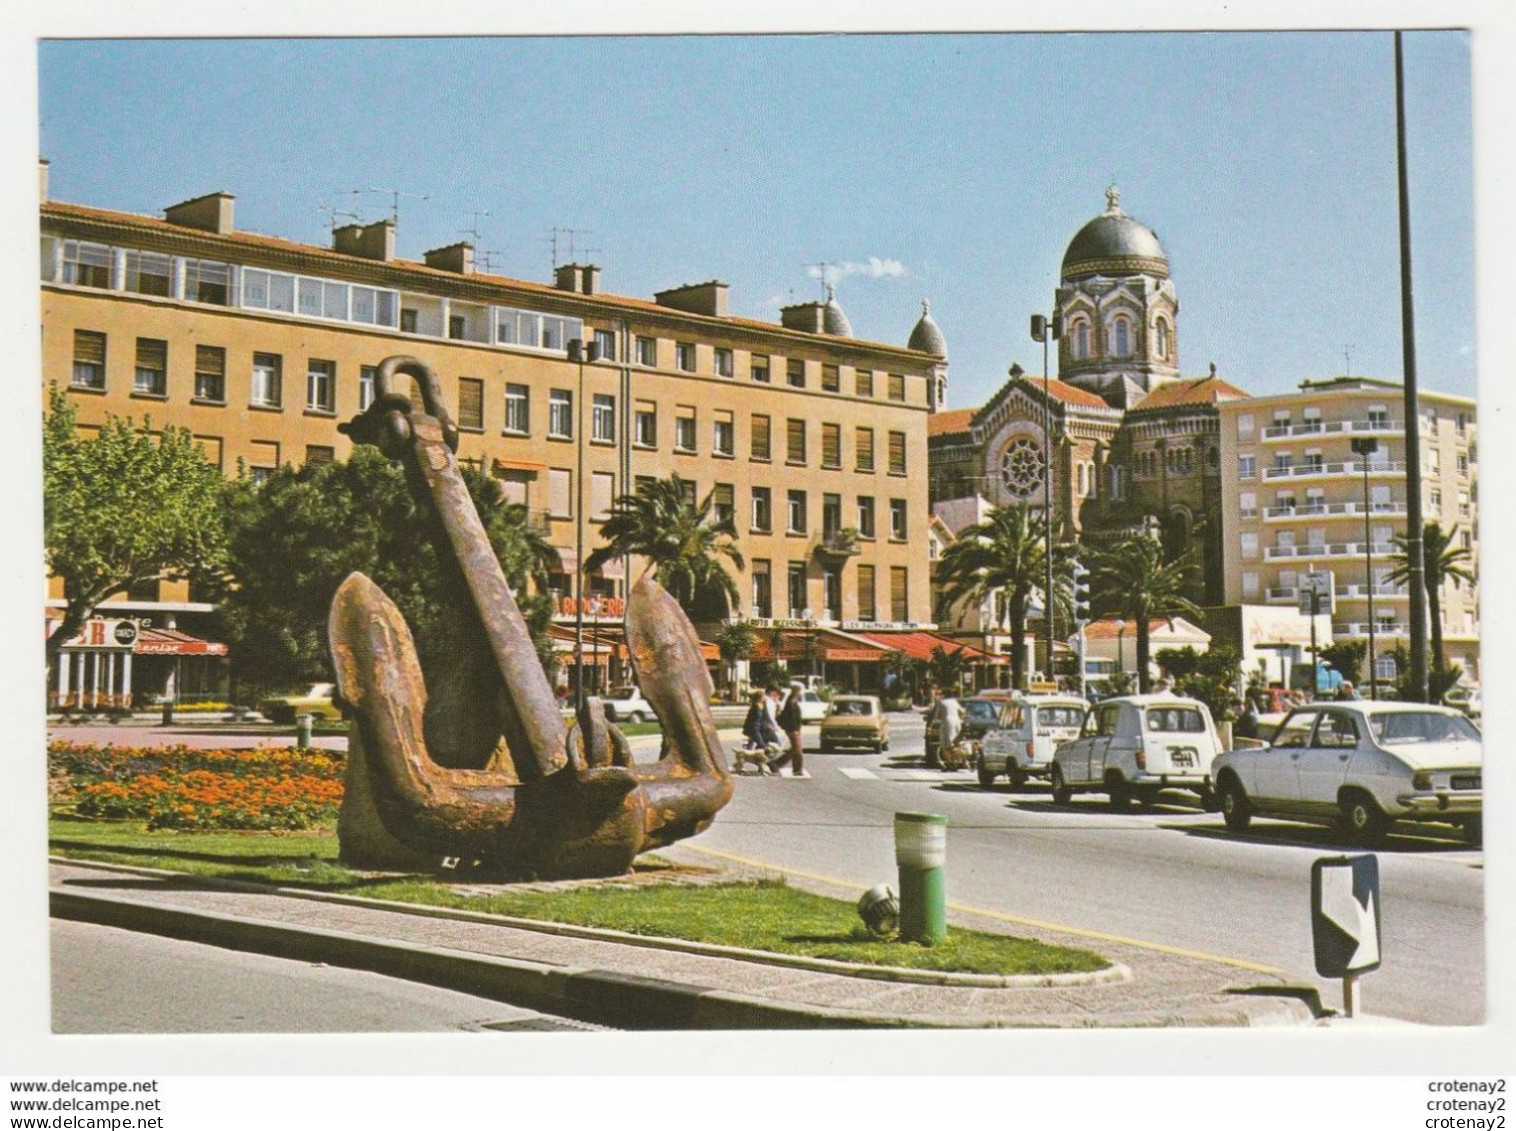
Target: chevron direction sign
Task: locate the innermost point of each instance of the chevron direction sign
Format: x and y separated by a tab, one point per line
1345	915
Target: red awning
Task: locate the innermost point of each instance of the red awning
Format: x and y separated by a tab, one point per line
172	642
919	645
830	645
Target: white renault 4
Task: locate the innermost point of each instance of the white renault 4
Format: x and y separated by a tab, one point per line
1021	743
1132	747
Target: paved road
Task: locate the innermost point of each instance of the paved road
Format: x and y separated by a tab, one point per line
106	980
1170	876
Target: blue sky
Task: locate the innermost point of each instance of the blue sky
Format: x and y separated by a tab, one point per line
948	167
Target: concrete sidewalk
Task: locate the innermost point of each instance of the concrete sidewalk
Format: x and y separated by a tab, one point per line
621	981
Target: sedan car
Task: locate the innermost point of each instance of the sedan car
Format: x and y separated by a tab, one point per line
855	720
316	700
1363	765
626	705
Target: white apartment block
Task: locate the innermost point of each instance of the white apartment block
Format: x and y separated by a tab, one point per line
1299	496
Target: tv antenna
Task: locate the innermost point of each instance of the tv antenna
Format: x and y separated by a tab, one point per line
568	235
824	270
473	233
333	213
394	195
1347	360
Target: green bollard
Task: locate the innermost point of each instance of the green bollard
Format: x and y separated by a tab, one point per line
921	854
303	726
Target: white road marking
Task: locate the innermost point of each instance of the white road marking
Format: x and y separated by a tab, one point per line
857	774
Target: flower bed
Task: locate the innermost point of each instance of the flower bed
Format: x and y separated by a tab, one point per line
177	787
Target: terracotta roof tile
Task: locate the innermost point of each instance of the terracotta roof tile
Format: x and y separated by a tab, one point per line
1203	390
956	420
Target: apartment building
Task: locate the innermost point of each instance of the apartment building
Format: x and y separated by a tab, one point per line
1304	494
815	441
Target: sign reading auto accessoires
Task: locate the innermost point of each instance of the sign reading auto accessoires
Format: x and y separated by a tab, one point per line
1345	915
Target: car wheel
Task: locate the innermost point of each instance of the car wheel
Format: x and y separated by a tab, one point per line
1017	777
1062	792
1208	799
1365	821
986	775
634	717
1473	830
1118	794
1236	810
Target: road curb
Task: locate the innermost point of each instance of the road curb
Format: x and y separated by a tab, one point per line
1113	973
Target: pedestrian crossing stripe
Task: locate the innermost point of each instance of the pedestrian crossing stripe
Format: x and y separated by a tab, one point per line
857	774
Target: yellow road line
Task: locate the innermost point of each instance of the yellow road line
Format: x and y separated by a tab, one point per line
1080	932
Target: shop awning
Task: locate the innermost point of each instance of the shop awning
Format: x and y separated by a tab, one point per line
829	645
172	642
919	645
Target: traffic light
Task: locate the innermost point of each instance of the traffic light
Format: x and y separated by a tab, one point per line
1081	592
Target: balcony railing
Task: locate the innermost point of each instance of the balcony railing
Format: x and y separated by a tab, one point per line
1325	550
1361	593
842	543
1332	470
1334	428
1384	628
1332	510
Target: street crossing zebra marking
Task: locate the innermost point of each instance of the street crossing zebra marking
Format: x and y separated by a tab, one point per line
857	774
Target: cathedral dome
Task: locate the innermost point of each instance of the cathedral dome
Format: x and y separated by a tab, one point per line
1114	244
833	320
927	335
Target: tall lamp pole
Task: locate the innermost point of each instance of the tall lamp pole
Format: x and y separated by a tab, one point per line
1042	330
579	351
1363	447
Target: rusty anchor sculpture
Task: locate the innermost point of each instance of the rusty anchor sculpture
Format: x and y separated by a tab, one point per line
512	789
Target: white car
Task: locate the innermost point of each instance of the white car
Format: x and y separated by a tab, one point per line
626	705
1362	764
1133	746
1021	742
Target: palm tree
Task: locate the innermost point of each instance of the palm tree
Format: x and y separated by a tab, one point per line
1132	580
1005	553
737	641
680	539
1443	559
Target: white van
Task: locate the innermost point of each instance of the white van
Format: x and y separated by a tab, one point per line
1021	744
1136	745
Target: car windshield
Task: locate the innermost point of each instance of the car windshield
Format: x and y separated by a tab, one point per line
851	707
624	693
981	710
1180	720
1400	728
1051	718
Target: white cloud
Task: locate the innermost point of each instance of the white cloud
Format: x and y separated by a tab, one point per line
873	268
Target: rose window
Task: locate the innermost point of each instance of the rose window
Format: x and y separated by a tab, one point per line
1021	467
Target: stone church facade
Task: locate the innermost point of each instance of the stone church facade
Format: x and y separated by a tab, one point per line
1135	446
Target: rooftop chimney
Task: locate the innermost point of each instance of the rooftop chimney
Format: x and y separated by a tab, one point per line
210	213
581	278
372	241
42	164
457	257
807	316
696	298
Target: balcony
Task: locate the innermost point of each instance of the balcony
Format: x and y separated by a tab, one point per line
1361	593
1332	510
1325	550
1385	628
1346	469
1332	428
838	544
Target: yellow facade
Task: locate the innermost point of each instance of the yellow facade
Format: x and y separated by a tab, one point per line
131	327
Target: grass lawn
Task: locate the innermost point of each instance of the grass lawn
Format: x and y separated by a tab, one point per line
761	915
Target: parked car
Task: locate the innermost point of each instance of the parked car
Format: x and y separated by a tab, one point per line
1133	746
812	705
316	700
1362	764
626	705
1025	735
1465	699
855	720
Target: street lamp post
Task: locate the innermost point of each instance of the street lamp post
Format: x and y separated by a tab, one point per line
1042	329
1363	447
579	351
1120	647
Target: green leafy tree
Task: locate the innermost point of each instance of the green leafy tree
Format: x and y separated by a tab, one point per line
297	535
737	642
682	541
1213	680
1005	553
948	668
1179	663
1443	560
1347	657
1439	680
1133	581
123	508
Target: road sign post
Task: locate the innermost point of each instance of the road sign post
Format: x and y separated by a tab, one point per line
1345	920
1317	594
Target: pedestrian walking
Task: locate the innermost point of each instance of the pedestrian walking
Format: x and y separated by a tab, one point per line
949	725
790	721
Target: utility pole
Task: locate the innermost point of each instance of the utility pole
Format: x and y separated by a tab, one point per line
1415	563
